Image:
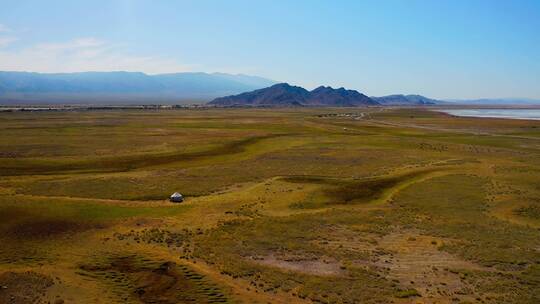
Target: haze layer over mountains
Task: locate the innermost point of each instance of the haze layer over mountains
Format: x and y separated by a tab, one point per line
218	89
122	87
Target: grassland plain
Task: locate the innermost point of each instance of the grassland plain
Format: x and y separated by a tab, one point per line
282	206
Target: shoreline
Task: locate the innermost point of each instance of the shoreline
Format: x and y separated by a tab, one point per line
501	113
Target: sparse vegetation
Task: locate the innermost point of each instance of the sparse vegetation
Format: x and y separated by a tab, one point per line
282	206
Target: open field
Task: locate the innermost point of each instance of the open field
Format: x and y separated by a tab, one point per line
282	206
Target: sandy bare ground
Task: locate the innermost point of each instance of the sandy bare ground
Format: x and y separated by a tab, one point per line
320	267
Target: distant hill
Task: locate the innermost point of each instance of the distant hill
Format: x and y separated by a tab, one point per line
122	87
283	94
404	100
495	101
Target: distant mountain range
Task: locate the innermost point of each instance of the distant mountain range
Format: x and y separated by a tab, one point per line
125	88
283	94
122	87
403	100
494	101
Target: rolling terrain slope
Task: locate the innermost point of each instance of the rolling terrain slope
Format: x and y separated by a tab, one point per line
293	205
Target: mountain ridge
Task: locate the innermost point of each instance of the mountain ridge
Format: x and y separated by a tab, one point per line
284	94
121	85
403	100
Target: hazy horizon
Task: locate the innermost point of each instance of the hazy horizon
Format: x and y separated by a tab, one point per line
443	50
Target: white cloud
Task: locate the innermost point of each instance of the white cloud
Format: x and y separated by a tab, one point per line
83	54
4	29
5	41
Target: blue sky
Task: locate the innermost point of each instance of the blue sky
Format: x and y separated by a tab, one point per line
441	49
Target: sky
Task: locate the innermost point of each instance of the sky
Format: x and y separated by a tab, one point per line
447	49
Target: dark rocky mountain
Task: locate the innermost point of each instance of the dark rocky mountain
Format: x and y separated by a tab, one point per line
405	100
327	96
283	94
122	87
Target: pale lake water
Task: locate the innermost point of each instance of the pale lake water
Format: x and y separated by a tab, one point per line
497	113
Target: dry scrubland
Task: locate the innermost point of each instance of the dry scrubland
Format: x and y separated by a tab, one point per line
283	206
